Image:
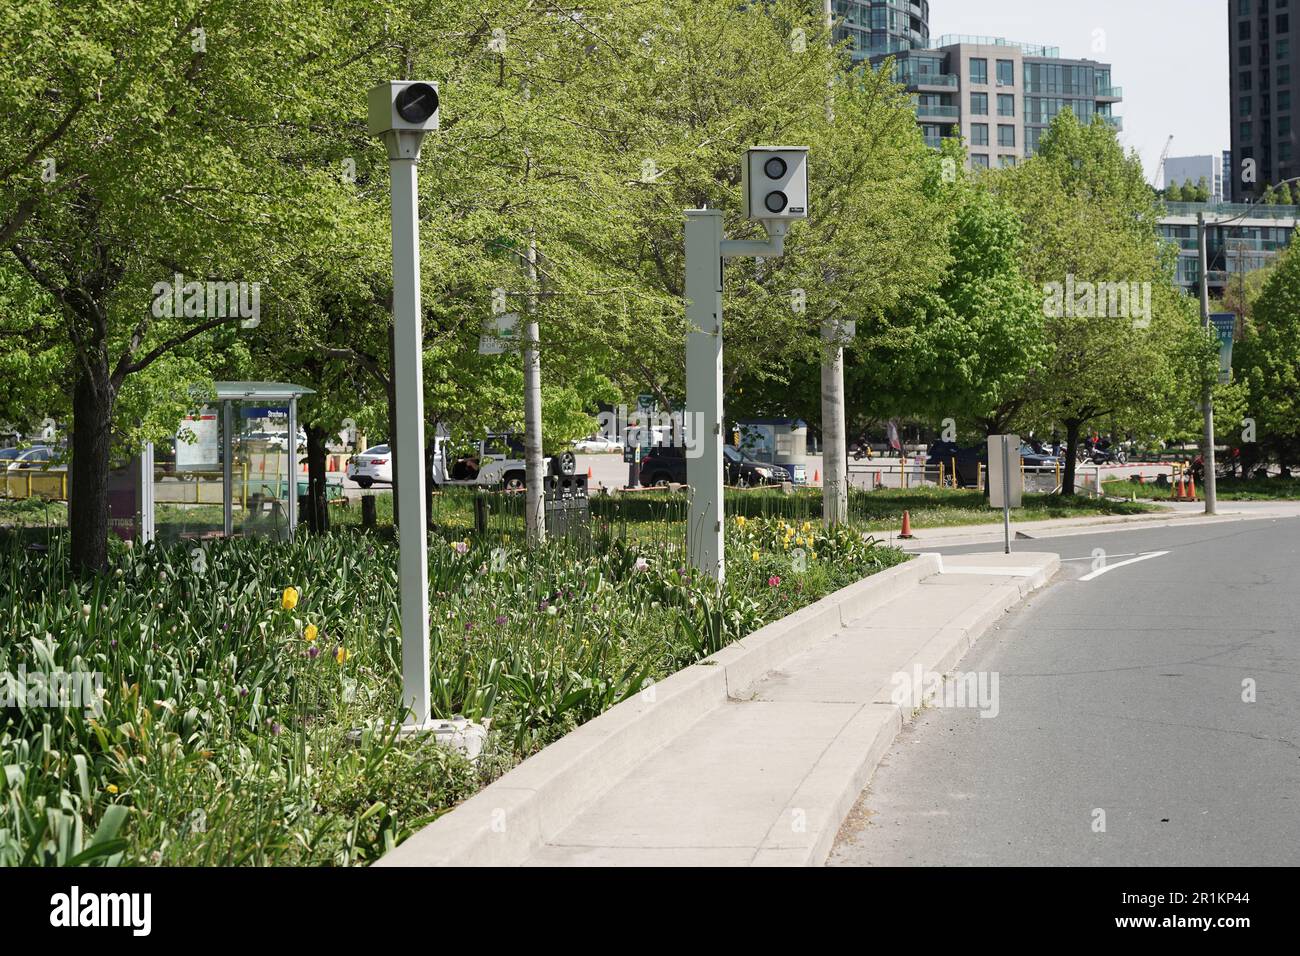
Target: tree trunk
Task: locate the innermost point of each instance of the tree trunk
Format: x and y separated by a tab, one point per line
317	516
1071	455
92	431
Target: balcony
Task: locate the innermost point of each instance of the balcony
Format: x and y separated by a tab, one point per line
939	80
1114	122
1224	210
927	111
1110	93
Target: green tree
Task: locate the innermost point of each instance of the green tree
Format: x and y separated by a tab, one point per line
1091	226
1267	361
148	141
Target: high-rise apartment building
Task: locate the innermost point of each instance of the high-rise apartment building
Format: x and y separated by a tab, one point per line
1000	96
876	27
1262	56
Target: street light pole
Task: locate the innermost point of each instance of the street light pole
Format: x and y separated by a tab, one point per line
1207	392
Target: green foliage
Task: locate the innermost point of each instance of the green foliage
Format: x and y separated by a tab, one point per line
1089	217
1267	361
221	736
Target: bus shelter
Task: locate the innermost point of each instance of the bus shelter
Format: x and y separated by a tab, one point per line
232	469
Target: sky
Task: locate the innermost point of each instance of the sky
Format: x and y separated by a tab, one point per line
1170	56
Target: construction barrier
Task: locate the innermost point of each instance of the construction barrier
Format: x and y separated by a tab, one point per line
34	483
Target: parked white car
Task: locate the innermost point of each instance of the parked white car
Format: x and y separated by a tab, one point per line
28	458
372	466
275	441
597	445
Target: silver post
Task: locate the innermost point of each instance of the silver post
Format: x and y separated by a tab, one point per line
1006	491
534	463
1207	393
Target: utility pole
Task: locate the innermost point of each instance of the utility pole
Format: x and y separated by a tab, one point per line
1207	393
534	463
835	457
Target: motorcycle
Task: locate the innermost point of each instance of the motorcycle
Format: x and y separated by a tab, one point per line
1099	454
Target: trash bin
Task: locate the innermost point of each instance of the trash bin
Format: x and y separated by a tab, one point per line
567	507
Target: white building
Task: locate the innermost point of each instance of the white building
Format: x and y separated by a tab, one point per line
1180	169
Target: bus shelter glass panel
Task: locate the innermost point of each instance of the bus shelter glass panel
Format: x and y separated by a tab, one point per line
188	479
263	468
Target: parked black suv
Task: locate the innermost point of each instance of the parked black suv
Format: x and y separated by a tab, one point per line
663	465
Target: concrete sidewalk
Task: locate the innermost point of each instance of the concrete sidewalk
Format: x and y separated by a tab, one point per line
765	775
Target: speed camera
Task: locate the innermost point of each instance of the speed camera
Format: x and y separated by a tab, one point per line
775	183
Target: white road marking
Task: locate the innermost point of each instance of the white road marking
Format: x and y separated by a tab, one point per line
1111	567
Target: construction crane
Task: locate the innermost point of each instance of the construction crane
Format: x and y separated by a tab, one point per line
1161	165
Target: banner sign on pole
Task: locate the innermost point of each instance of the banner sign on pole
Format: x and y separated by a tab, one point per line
1225	326
500	335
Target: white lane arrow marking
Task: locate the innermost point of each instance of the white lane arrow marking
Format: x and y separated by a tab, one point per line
1111	567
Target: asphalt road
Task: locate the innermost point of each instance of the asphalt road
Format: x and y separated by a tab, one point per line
1122	695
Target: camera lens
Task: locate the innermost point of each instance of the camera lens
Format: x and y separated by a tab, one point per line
775	201
775	167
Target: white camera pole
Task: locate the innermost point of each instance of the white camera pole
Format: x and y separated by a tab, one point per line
408	375
401	113
775	191
704	390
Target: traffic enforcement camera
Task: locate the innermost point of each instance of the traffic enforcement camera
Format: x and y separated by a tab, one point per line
775	183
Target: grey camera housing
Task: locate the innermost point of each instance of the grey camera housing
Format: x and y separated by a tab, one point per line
385	116
774	181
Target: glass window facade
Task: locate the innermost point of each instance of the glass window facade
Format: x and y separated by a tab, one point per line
878	27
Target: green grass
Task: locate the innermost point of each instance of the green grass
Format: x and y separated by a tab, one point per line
223	733
1227	489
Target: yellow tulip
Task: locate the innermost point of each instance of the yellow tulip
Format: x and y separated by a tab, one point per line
754	556
289	600
310	632
341	655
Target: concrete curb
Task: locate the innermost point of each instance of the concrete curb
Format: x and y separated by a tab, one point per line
505	821
824	799
960	535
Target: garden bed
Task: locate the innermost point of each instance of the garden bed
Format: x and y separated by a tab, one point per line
231	675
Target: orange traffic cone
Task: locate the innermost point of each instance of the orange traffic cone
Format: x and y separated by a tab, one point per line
589	474
906	533
879	483
1191	488
817	477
